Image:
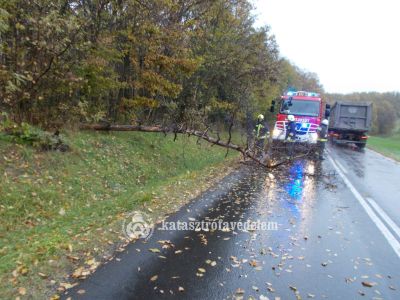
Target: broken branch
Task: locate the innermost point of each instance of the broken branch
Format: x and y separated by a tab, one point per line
180	130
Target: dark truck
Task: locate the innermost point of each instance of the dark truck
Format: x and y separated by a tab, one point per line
349	122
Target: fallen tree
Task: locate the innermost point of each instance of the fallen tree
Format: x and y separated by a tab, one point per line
182	130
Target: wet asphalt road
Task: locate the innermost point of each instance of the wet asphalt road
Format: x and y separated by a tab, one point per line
325	247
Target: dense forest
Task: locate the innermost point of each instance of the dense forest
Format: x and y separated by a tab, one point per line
169	62
137	61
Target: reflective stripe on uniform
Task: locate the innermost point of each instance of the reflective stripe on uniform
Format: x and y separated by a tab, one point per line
259	126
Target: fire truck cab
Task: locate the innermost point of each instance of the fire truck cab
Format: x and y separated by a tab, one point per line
307	109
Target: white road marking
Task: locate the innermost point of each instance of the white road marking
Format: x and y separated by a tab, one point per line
383	229
341	166
384	216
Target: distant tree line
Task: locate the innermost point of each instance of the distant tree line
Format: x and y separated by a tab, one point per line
139	62
386	108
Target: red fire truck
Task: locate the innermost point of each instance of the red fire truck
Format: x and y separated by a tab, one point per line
308	111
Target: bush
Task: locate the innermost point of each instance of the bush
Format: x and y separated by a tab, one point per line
26	134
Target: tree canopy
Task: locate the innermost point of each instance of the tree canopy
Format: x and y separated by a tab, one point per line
136	61
163	62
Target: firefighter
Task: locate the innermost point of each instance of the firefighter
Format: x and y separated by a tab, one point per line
291	129
261	132
290	134
322	132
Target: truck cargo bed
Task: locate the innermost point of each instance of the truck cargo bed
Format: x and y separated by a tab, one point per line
351	116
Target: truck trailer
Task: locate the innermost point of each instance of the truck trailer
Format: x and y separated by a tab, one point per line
350	122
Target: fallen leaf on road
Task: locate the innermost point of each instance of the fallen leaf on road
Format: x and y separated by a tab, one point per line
202	270
347	280
253	263
67	285
368	284
154	250
81	292
239	291
80	273
181	289
166	244
310	295
154	278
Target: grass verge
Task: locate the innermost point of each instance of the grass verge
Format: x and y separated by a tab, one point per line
61	212
388	146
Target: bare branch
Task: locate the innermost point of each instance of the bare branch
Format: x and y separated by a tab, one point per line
189	132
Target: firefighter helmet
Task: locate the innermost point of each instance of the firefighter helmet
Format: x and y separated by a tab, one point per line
290	118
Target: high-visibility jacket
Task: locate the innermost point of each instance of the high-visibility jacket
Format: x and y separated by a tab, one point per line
322	132
261	130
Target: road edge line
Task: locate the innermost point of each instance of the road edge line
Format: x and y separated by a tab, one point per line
341	166
384	216
381	226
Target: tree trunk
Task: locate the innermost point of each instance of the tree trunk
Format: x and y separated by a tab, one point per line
200	134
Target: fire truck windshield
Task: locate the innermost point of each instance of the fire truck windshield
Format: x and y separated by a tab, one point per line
301	107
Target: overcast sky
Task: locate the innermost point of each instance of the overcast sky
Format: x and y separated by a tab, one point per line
353	45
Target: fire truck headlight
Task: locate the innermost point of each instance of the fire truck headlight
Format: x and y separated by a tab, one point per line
275	133
313	137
